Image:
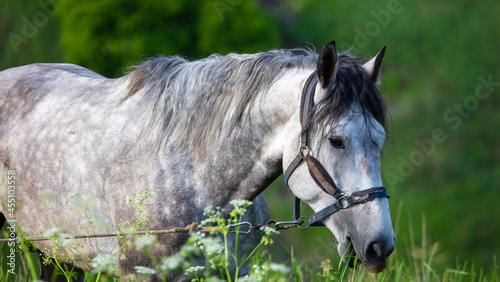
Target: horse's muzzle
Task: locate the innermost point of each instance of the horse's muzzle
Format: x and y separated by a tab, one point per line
376	254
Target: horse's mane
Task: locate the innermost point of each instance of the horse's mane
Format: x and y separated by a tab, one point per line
197	99
354	85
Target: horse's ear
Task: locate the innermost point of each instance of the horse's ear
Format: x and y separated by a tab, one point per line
374	65
327	64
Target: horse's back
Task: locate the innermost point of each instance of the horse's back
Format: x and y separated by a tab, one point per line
23	88
40	69
71	68
39	79
39	101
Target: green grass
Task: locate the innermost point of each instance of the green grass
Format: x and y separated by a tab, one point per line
419	262
399	269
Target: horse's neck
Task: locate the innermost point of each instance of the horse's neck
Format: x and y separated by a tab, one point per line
246	165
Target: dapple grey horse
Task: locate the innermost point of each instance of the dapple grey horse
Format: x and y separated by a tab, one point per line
193	134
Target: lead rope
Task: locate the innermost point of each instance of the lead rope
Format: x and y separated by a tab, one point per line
193	227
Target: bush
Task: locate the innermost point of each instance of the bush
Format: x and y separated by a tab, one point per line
107	35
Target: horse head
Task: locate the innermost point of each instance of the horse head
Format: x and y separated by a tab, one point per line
336	167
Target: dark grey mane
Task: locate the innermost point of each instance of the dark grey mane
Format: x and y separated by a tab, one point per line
354	85
197	99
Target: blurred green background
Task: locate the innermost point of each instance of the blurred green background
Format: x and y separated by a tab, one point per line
440	79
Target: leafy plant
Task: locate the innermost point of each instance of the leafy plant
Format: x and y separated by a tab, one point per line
109	35
420	266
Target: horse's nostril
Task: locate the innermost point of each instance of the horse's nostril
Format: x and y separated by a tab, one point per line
376	247
376	255
374	250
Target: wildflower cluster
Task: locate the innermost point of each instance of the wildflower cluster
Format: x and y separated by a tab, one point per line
214	247
195	272
144	270
141	199
240	208
144	242
267	240
103	263
215	217
269	271
219	248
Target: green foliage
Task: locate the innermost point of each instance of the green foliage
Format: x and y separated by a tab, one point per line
230	30
26	263
108	35
24	41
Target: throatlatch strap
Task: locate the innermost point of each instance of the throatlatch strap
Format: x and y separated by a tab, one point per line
292	166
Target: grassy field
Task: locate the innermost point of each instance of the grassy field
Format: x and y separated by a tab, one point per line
420	263
419	267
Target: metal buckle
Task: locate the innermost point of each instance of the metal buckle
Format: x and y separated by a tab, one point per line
304	151
346	198
342	196
287	224
277	225
231	226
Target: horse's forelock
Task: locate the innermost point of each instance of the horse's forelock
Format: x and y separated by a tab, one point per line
353	86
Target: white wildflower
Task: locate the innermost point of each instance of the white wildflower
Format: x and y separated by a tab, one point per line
270	231
171	263
103	263
240	206
214	214
208	211
64	239
145	241
51	232
211	245
144	270
259	272
194	270
188	249
283	269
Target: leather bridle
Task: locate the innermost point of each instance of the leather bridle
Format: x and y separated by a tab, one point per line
318	172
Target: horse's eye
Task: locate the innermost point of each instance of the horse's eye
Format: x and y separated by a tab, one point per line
337	142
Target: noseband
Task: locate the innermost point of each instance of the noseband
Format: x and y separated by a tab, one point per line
318	172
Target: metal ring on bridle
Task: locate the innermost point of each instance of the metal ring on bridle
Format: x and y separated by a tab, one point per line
302	221
305	151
